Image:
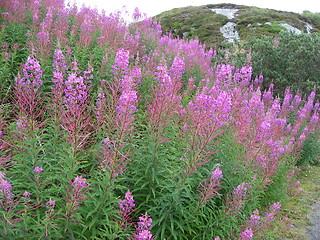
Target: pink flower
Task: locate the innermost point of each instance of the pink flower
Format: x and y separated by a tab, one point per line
121	62
80	182
51	203
128	98
26	194
59	71
128	203
247	234
275	207
241	190
210	188
5	187
144	234
38	169
143	228
75	90
32	74
217	174
254	219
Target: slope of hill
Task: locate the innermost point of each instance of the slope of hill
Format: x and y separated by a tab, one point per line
214	23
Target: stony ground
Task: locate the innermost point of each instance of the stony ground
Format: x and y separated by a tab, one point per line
310	200
313	231
300	216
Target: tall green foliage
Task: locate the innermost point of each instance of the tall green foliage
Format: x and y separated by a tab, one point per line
290	60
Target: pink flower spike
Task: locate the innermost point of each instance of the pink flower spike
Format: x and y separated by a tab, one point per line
128	203
121	62
275	207
26	194
38	169
5	187
80	182
143	228
217	174
32	74
211	187
247	234
51	203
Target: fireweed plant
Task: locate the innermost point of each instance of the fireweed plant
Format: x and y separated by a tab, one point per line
113	130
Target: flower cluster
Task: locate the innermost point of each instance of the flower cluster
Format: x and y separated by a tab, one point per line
121	62
60	67
236	201
127	204
258	225
79	183
254	220
145	222
211	109
243	76
32	74
168	86
38	169
166	101
246	234
210	189
126	209
205	118
5	189
75	196
128	98
76	87
85	33
176	70
28	95
50	205
223	74
76	90
163	111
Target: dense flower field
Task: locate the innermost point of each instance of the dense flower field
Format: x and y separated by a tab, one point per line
112	130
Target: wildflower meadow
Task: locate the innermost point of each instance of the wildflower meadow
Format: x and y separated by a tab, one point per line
116	130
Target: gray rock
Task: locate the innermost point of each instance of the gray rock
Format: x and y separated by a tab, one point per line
230	32
290	28
308	27
229	13
314	229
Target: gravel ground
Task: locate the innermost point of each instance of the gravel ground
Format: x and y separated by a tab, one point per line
314	229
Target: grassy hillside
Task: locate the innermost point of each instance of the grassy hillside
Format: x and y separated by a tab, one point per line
204	23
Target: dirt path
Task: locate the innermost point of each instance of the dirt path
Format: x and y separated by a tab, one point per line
300	219
314	229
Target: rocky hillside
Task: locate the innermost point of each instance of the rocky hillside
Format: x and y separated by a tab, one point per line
215	23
